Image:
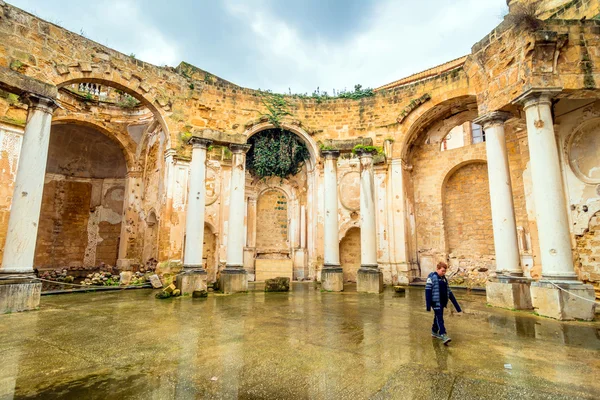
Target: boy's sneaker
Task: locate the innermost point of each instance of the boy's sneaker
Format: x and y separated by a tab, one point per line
445	339
436	335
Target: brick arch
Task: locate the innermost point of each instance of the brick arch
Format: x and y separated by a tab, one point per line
451	169
429	113
128	154
147	95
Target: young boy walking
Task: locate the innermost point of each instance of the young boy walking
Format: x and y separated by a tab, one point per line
437	293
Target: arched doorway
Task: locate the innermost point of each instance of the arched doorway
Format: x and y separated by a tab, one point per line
82	203
273	249
285	245
350	254
468	218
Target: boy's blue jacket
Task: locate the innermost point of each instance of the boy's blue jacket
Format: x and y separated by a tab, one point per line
437	292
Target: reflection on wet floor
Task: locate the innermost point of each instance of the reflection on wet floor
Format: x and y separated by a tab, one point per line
303	344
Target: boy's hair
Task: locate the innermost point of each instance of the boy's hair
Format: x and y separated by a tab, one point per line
441	265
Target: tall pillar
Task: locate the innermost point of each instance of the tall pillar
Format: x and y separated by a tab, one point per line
194	275
18	292
234	277
250	248
397	221
508	289
370	278
332	276
501	197
551	216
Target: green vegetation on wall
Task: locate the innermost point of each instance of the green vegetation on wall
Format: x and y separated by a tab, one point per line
276	152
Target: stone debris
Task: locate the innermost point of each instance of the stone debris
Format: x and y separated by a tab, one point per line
198	294
279	284
167	292
155	281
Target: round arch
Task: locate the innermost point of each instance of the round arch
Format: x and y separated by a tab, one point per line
428	114
147	100
450	170
129	158
311	145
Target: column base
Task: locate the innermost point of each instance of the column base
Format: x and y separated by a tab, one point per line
511	293
369	280
192	280
19	295
550	301
234	280
332	278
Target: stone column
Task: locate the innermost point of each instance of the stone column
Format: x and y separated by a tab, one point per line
551	216
397	221
17	291
370	278
250	249
234	277
332	276
508	290
194	275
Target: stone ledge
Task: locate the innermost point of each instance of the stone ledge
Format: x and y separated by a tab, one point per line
19	295
550	301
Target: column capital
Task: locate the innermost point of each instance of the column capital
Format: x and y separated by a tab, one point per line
365	153
41	103
330	154
198	142
493	118
134	174
169	153
537	95
239	148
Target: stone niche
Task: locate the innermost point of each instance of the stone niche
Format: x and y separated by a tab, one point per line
272	237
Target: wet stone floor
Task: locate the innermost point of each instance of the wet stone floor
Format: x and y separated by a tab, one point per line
299	345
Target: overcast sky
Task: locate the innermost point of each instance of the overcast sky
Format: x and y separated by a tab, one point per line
281	44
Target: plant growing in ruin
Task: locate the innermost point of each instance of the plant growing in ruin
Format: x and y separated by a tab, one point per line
525	16
276	152
277	107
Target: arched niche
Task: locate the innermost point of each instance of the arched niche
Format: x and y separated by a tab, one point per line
82	203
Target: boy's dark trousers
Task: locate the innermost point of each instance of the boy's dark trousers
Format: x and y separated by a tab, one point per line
438	320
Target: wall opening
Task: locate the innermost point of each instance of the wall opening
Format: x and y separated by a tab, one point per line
350	254
82	203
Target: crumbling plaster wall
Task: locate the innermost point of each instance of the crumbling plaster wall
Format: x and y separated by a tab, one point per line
579	141
10	148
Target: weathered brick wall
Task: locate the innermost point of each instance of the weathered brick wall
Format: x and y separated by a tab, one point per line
468	222
588	249
350	254
272	222
62	233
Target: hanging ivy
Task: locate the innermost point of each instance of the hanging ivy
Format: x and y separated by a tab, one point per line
276	152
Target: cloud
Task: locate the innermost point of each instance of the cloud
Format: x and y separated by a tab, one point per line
119	24
396	38
276	44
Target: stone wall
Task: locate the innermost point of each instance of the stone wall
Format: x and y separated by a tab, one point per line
80	223
468	223
272	222
588	248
